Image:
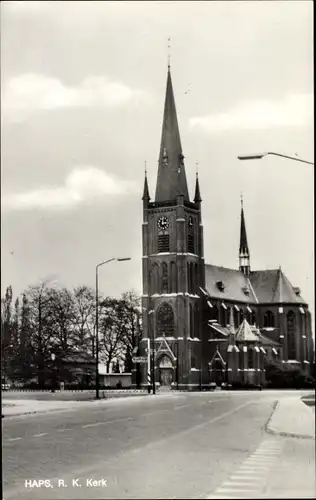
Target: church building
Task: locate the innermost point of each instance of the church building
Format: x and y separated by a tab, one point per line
207	323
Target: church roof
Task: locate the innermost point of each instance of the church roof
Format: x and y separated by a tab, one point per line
268	341
171	179
268	286
272	286
247	333
234	284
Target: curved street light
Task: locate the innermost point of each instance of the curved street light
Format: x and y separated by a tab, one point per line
259	156
97	389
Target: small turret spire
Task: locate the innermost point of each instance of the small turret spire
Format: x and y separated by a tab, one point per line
146	196
244	254
197	195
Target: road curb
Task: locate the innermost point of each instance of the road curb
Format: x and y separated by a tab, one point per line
270	430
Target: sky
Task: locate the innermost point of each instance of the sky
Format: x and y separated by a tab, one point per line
82	95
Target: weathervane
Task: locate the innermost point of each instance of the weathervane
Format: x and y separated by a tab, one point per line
145	167
242	200
169	52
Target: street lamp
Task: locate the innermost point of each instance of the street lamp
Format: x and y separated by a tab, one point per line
153	352
4	350
259	156
97	394
53	357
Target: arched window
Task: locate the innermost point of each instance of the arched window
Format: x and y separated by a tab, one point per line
191	320
241	358
214	313
241	315
250	355
165	278
155	278
189	278
173	277
190	235
196	321
236	318
192	278
196	278
291	343
248	316
165	320
268	319
222	316
253	318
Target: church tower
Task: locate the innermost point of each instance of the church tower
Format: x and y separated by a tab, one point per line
173	263
244	254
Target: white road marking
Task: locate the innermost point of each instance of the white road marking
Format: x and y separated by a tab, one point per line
246	478
106	422
40	435
14	439
238	484
179	407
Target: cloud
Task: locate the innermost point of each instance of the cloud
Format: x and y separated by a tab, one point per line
293	111
81	185
28	93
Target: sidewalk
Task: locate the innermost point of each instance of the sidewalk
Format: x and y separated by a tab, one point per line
292	418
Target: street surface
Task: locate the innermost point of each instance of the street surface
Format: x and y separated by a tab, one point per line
198	445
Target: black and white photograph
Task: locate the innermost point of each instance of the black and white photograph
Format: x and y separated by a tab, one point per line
157	249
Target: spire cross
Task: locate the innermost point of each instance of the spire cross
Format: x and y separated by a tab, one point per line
197	168
169	52
145	167
242	200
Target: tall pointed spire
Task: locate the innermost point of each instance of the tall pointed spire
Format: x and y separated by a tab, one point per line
171	178
197	195
244	254
146	196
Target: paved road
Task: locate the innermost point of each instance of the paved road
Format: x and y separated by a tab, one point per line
200	445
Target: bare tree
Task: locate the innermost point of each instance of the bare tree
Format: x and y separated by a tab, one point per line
111	321
84	306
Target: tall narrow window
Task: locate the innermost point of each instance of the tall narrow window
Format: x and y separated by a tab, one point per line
241	315
163	234
196	276
196	321
189	278
236	318
222	316
192	278
165	320
250	357
214	313
191	235
191	321
155	279
165	278
291	330
173	277
268	319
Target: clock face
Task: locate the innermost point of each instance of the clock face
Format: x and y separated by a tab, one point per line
163	223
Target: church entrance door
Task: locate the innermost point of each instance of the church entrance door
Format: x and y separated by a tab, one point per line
165	371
